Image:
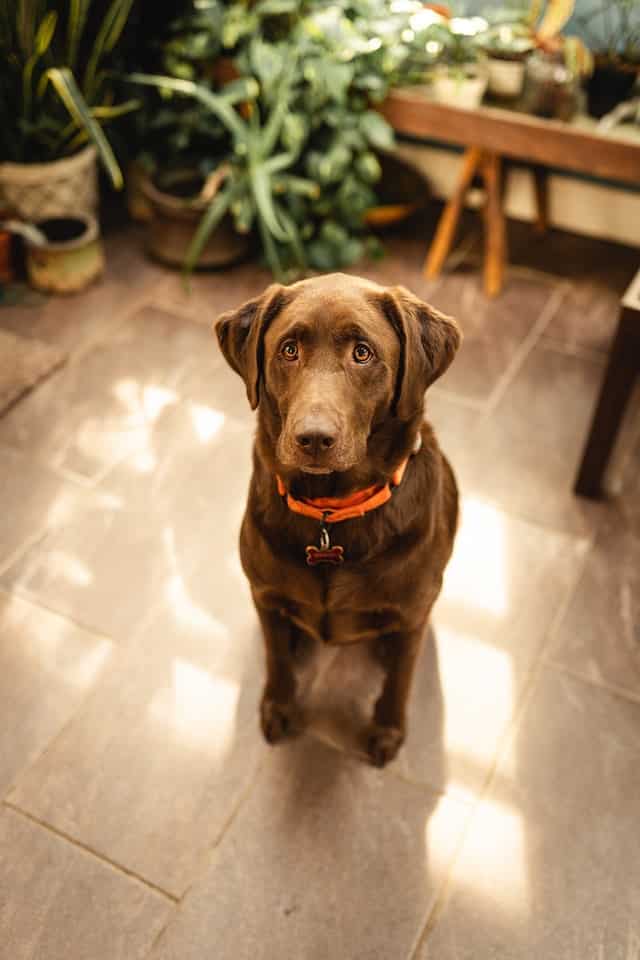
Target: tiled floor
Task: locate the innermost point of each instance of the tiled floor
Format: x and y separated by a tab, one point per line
142	815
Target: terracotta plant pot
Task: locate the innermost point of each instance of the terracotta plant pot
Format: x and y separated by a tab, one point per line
71	258
175	219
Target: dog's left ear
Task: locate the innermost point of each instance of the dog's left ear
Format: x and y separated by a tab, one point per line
241	336
428	343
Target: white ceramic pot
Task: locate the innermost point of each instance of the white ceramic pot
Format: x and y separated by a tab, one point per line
506	77
459	90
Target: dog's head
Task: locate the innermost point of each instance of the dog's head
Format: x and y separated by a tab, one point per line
333	358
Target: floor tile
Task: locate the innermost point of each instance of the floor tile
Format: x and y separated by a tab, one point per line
599	636
73	322
551	865
572	256
527	452
493	329
58	901
587	318
33	498
47	667
102	407
501	592
328	858
104	568
173	506
152	766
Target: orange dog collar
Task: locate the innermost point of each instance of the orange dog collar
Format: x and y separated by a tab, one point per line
336	509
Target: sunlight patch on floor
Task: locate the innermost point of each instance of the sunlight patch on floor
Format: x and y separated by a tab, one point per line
207	422
495	859
479	695
200	709
477	572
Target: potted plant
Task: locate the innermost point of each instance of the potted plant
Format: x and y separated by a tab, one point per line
244	183
612	28
460	75
507	46
307	121
55	98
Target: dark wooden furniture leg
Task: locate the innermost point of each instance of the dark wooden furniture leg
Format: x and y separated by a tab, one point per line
622	370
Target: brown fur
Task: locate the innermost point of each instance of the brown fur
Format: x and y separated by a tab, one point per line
394	556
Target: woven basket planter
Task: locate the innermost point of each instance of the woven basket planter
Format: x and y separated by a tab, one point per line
33	191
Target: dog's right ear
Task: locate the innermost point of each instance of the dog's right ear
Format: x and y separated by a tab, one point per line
241	336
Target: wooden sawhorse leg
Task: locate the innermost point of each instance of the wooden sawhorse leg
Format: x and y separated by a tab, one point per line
488	166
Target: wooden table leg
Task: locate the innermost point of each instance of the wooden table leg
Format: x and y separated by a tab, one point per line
446	229
495	228
540	184
622	370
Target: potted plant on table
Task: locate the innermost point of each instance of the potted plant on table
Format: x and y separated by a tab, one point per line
460	74
507	46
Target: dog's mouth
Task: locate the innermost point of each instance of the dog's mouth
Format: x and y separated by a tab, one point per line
307	468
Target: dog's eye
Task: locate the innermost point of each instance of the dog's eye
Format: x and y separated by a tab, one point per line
362	353
289	350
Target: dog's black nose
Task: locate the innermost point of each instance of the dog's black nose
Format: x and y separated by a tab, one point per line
315	442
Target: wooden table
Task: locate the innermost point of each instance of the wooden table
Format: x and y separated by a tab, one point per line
491	134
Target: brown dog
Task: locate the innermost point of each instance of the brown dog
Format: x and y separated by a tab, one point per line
352	509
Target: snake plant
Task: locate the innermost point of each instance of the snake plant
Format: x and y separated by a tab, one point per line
55	94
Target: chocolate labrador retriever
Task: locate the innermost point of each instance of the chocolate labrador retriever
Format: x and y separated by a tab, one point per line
352	508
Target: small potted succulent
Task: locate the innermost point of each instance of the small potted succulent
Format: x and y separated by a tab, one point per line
460	74
507	46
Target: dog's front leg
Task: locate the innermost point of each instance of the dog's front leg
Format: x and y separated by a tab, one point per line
279	712
386	734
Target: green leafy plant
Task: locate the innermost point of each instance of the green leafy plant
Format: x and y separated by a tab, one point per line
256	181
334	62
55	94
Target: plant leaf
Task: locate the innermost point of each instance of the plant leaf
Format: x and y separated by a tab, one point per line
217	104
65	86
555	18
210	220
108	35
78	11
116	110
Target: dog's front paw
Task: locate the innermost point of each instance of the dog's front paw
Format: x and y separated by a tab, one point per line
279	720
383	743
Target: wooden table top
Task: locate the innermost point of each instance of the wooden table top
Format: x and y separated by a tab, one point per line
578	146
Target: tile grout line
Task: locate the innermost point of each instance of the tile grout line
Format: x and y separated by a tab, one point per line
526	695
535	333
28	597
8	562
210	849
572	349
621	693
85	848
